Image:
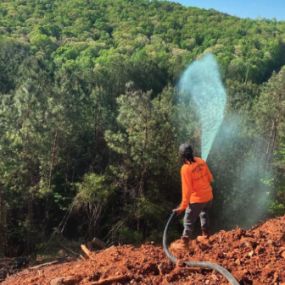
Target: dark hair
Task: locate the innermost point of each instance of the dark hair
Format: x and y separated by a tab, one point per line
186	152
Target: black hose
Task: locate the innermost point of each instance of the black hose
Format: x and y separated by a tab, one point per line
203	264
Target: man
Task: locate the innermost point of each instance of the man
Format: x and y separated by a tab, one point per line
197	192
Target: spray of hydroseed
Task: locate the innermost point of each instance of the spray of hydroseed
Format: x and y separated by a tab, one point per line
237	158
202	82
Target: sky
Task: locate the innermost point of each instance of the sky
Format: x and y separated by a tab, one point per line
242	8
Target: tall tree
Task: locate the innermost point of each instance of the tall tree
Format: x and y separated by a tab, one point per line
144	147
270	114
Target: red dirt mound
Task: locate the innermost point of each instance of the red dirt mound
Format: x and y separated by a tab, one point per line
255	256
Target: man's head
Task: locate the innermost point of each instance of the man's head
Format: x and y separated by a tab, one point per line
186	152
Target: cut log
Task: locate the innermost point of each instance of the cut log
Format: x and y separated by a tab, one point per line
87	252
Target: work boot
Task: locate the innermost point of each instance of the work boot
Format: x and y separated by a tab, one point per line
185	240
205	232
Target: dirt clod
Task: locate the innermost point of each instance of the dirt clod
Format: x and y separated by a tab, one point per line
69	280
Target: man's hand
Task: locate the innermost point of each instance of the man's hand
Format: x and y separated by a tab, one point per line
178	211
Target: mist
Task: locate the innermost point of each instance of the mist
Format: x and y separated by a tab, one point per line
228	143
201	81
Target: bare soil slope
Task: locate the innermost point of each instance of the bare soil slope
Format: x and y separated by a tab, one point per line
255	256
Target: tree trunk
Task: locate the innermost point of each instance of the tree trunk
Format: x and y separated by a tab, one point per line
52	158
3	224
30	217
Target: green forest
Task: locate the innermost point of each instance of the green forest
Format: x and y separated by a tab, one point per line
90	119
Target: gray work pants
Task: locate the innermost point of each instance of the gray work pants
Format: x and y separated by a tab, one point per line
191	214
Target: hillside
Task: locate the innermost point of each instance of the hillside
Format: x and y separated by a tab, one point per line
255	256
79	33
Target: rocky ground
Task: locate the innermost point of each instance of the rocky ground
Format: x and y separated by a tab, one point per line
255	256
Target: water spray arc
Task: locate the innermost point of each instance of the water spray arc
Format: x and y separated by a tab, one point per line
202	82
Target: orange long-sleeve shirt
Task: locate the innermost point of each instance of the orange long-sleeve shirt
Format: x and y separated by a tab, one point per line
196	181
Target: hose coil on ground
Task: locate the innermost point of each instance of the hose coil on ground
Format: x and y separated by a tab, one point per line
202	264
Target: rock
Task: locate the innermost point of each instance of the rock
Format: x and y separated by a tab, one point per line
238	261
61	253
56	281
202	239
250	254
282	252
69	280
